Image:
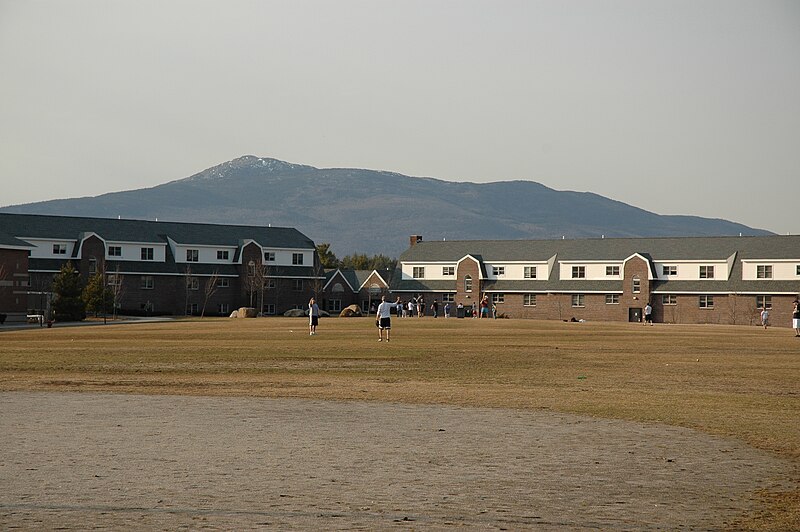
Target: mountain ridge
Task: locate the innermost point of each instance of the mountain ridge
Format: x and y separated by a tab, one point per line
372	211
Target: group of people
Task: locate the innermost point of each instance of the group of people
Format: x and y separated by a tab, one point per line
384	313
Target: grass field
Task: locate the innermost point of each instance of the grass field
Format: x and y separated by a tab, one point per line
742	382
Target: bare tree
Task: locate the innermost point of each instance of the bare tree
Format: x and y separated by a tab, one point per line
209	290
117	289
188	285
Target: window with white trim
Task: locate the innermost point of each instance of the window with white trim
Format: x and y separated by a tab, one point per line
579	272
269	256
636	286
269	309
297	285
706	272
498	270
764	302
224	308
418	272
334	305
667	271
146	282
297	259
92	266
529	300
764	271
529	272
223	254
147	253
59	249
498	298
223	282
612	271
114	251
612	299
269	283
578	300
706	302
448	270
468	283
669	299
448	298
192	255
192	283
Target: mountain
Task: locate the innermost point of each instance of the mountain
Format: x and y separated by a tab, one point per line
375	212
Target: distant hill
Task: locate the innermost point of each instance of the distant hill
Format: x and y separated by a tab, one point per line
375	212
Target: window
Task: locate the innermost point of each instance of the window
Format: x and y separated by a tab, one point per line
418	272
530	272
146	282
797	271
448	270
192	255
147	253
224	308
114	280
577	300
498	298
269	256
297	259
764	302
498	270
297	285
448	298
669	299
92	266
223	282
468	283
669	270
334	305
270	283
579	272
612	270
706	302
223	254
269	309
192	283
529	300
59	249
637	285
114	251
706	272
612	299
764	271
191	310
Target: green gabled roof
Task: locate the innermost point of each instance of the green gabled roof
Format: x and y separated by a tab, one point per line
610	249
75	228
9	242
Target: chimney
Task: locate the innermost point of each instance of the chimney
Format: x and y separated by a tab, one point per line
414	239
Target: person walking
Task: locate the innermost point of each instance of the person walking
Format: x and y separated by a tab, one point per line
435	308
313	317
648	314
447	310
420	306
384	318
796	318
764	317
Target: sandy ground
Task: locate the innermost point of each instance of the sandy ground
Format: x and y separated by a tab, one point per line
82	461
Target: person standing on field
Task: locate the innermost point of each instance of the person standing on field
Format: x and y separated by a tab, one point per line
648	314
764	317
384	317
796	318
313	316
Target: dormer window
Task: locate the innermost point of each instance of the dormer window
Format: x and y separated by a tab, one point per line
579	272
59	249
764	271
706	272
192	255
529	272
497	271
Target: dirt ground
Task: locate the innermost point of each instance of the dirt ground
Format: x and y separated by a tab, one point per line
77	461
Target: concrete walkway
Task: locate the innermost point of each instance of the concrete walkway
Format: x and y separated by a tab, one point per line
79	461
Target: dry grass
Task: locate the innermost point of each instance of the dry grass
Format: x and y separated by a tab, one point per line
742	382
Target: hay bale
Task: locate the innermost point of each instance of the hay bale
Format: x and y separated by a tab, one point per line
353	311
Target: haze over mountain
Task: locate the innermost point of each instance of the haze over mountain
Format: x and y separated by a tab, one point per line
375	212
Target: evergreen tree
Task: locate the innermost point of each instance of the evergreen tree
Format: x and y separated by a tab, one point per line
67	290
96	295
326	256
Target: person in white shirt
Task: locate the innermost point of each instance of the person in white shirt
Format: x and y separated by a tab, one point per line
764	317
384	317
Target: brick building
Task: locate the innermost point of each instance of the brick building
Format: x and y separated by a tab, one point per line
158	267
686	280
344	287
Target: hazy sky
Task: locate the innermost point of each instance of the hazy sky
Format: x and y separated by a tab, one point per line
677	107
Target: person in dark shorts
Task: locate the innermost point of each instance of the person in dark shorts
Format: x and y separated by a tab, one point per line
313	317
384	317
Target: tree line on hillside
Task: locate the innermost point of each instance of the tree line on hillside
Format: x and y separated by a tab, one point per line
356	261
